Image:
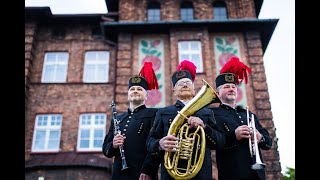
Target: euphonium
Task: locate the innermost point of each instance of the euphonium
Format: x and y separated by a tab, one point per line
189	144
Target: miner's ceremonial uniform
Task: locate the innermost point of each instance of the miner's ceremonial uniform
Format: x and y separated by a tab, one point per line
214	139
234	161
135	126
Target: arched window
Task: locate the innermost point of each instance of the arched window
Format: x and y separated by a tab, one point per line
219	10
186	11
153	11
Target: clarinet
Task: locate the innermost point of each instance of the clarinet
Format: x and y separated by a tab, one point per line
117	131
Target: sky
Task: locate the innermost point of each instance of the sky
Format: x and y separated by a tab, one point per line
279	62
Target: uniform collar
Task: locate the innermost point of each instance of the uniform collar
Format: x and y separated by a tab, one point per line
137	109
227	106
179	104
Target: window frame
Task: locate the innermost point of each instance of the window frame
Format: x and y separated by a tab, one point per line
153	8
220	11
189	52
47	130
57	62
92	127
187	11
96	63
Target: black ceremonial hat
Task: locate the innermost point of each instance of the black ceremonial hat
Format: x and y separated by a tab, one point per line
176	76
234	71
186	69
146	78
138	81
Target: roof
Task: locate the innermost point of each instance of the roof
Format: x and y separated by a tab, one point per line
258	5
113	5
44	14
64	159
264	26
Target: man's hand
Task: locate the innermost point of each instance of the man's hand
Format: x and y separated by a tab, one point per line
144	177
195	122
243	132
169	143
117	141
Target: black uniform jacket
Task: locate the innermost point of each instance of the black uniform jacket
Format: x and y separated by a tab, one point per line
214	138
135	126
234	161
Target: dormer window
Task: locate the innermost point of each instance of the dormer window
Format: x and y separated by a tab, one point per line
186	11
153	11
219	10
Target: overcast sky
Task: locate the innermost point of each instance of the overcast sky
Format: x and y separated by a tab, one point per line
279	61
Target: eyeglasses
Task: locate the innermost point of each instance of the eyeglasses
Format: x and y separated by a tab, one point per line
181	83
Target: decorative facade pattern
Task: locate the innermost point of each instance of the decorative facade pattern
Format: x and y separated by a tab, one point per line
152	50
224	48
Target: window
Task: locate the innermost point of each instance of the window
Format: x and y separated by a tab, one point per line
55	67
91	132
46	137
153	12
186	11
219	10
191	50
96	67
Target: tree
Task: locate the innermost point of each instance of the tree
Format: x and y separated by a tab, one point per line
289	174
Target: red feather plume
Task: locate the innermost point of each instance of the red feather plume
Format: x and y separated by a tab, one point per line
188	66
148	73
237	68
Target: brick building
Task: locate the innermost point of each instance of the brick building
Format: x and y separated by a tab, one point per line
75	65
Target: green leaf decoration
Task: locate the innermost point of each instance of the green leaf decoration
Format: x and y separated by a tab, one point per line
229	49
158	76
144	43
219	41
220	48
235	51
160	86
145	51
159	54
153	52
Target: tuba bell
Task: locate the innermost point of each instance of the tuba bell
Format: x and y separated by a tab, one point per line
186	162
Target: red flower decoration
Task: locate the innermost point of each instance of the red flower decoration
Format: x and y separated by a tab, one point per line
153	98
224	57
156	62
230	40
155	43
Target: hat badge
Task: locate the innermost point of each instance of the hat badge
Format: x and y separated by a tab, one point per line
135	79
229	78
181	74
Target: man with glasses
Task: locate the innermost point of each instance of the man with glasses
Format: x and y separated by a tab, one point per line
159	141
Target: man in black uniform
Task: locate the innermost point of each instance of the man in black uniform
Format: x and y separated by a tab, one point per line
235	160
159	141
135	125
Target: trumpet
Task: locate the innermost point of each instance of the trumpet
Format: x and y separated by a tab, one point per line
253	146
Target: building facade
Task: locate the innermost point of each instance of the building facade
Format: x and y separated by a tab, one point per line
75	65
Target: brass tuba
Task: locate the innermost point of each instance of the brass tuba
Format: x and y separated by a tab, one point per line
186	162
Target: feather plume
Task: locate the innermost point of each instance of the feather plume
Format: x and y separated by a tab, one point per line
236	67
148	73
188	66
